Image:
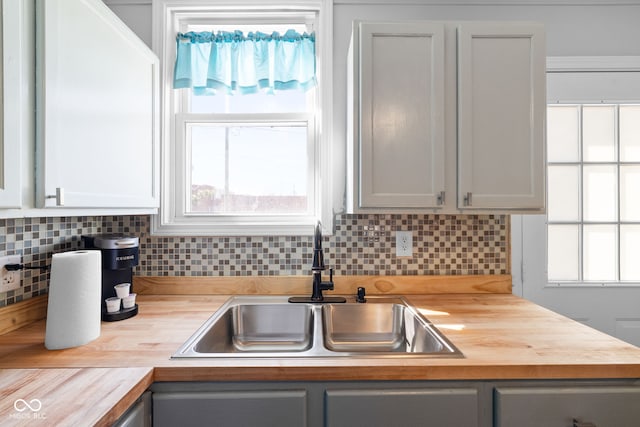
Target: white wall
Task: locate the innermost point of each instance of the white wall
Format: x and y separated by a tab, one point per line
574	28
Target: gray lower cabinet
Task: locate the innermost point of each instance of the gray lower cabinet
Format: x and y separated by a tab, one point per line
277	408
530	403
394	407
320	404
138	415
567	406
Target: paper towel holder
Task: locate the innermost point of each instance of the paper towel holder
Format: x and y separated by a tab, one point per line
120	253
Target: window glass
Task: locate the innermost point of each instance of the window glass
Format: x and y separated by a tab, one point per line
630	193
563	133
563	253
600	192
598	133
563	199
593	211
599	252
629	250
248	169
630	133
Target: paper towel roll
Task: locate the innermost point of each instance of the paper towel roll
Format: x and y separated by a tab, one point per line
75	291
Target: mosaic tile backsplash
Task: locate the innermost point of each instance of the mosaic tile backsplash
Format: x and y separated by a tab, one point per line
361	245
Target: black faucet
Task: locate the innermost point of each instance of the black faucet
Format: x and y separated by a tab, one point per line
317	267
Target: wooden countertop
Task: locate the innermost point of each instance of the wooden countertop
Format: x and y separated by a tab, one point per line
69	397
501	336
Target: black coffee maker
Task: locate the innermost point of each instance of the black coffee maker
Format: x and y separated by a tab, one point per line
119	255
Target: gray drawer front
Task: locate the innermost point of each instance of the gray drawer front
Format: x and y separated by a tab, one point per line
230	409
558	406
402	408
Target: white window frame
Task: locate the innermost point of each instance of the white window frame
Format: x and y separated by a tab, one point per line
172	218
582	222
529	232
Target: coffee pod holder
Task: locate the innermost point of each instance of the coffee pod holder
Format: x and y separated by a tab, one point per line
123	313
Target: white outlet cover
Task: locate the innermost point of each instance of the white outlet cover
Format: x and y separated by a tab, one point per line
404	243
9	280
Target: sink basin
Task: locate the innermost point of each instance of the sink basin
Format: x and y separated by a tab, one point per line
253	325
270	326
385	327
259	328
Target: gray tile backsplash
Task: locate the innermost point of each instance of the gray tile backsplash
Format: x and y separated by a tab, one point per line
361	245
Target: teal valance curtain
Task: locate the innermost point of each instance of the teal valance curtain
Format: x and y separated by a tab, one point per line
235	63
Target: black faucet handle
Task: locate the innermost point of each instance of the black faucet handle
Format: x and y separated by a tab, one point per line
360	296
328	286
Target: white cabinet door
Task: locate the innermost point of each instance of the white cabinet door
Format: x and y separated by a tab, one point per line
14	95
501	111
397	152
97	109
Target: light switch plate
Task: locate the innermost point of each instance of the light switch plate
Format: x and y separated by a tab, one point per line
404	243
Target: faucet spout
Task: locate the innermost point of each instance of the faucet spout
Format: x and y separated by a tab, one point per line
318	253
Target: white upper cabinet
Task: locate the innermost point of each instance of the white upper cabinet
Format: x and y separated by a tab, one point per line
446	117
14	92
97	103
501	111
397	147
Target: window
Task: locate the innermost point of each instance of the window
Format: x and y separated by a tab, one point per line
250	164
593	182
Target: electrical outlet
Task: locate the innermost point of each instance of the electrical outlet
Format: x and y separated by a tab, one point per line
9	280
404	243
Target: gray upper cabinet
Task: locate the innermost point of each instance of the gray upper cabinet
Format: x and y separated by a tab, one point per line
97	102
446	117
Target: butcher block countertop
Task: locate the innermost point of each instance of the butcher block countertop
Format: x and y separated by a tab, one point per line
69	396
501	336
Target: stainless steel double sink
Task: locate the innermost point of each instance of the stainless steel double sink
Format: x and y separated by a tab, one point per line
270	326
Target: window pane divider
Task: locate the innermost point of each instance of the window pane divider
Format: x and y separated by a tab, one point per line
243	118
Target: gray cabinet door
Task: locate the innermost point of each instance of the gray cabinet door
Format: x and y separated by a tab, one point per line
402	408
138	415
559	406
231	408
